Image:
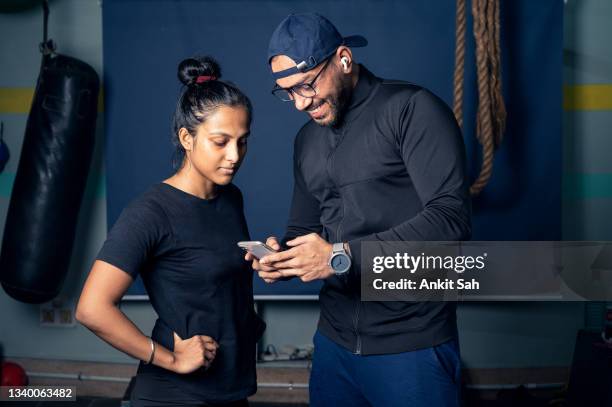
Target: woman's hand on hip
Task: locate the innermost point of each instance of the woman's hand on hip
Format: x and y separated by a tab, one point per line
193	353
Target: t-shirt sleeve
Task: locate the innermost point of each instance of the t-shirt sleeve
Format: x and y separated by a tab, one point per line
134	238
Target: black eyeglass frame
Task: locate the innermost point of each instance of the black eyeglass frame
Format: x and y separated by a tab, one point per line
300	87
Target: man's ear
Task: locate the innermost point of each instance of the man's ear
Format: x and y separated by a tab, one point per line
345	59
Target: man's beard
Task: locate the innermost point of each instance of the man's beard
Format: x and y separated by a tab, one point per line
337	103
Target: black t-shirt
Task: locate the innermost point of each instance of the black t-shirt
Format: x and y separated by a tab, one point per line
184	248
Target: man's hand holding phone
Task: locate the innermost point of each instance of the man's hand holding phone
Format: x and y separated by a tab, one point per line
267	273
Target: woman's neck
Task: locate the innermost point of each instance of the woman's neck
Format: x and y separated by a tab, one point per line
194	184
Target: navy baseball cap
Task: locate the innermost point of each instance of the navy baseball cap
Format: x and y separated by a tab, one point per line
308	39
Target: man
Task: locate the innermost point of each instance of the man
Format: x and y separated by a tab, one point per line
378	161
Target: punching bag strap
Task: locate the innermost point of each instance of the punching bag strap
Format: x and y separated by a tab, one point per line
47	47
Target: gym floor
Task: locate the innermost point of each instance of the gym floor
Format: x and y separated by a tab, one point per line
509	398
110	402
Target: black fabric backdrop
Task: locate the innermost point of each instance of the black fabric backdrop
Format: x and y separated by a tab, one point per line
410	40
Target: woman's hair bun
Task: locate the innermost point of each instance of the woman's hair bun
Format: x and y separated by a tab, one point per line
190	68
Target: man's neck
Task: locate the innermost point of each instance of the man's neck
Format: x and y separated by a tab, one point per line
355	74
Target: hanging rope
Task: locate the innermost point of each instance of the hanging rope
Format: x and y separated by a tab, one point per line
47	47
460	22
491	114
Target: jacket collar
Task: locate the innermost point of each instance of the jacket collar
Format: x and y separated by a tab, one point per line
366	85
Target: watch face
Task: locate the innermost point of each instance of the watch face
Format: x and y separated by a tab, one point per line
340	262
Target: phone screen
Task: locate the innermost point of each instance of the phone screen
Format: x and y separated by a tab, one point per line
257	249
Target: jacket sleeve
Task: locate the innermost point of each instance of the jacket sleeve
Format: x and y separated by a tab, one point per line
304	215
432	149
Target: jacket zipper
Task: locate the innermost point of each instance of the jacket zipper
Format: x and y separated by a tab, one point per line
356	326
357	350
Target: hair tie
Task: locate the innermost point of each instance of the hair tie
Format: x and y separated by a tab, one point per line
205	78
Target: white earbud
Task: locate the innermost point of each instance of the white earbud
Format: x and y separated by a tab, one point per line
344	62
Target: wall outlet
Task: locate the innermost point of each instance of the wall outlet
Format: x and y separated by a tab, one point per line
58	314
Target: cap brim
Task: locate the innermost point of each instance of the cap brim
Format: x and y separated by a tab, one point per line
355	41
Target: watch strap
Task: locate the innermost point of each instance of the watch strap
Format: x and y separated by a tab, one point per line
338	248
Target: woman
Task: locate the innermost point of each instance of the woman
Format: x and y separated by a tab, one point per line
181	237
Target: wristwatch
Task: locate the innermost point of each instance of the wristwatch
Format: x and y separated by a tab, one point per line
340	261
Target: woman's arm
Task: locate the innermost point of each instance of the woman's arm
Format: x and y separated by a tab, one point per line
98	311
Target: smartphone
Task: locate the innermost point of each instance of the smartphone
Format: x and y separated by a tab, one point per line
256	248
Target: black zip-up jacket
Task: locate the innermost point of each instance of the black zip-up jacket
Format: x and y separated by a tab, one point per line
393	170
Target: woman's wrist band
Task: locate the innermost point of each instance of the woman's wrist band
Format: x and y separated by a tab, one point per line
152	351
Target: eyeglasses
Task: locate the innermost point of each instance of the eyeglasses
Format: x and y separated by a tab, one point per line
306	90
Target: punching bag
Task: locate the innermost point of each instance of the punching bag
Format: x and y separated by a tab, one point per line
4	151
50	180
